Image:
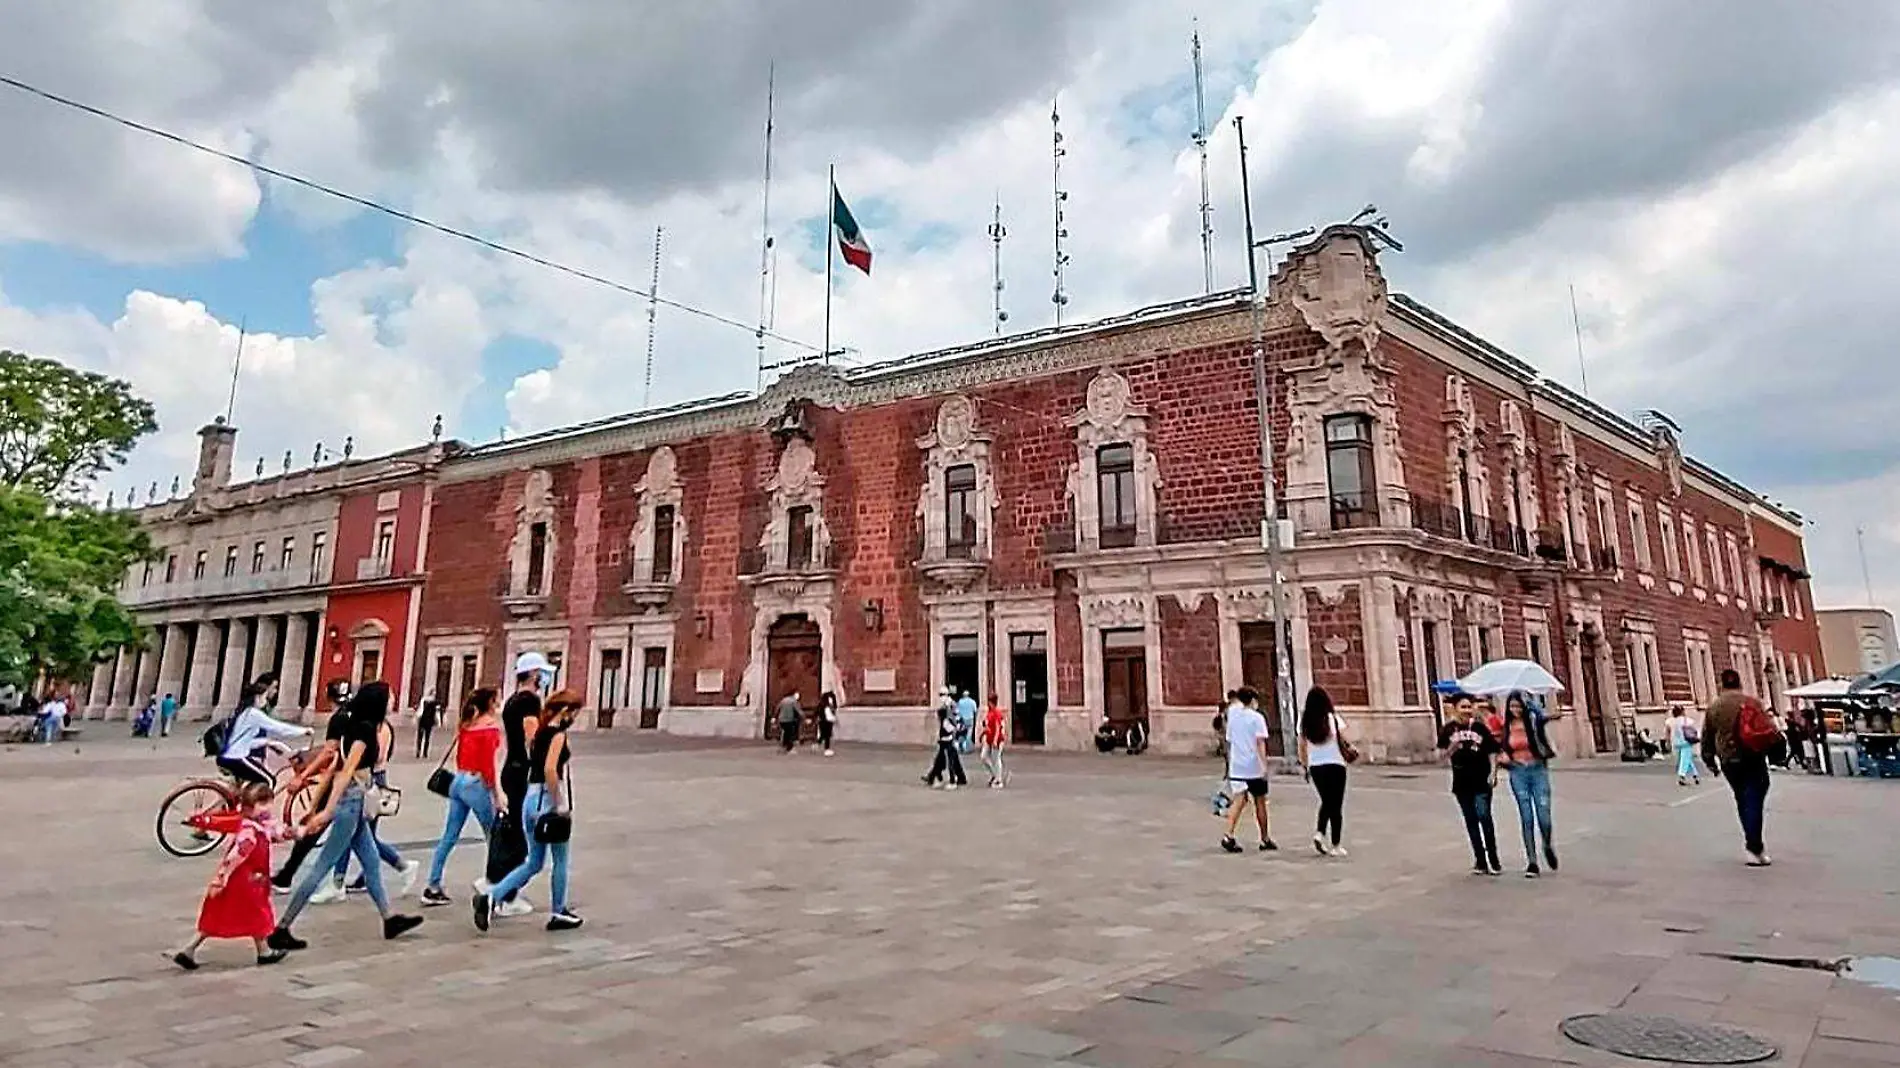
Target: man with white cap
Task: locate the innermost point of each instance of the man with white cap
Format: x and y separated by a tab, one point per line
507	844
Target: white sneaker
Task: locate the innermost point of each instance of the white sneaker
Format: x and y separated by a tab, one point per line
1339	851
520	906
330	891
411	873
952	786
1319	844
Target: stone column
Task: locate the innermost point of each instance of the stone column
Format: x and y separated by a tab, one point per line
296	637
204	672
169	676
233	669
266	657
124	678
145	680
99	694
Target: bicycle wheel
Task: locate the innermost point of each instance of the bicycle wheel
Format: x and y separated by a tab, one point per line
297	804
176	833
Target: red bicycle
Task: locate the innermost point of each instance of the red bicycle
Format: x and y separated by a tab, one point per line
197	815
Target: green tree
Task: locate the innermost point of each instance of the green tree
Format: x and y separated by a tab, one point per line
59	568
62	560
60	428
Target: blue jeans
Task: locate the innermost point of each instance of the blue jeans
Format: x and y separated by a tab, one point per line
1749	780
1685	761
383	849
349	832
468	796
538	801
1530	785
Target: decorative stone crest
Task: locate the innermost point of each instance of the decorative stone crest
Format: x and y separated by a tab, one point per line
1115	612
1335	284
955	420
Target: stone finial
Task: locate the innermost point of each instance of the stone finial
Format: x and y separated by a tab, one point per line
349	446
260	467
174	485
286	461
316	454
109	502
152	494
435	432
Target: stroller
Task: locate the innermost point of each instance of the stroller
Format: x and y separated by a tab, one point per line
142	726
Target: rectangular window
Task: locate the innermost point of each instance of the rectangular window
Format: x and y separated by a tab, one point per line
1537	648
230	561
318	541
1606	531
652	684
1717	581
1487	649
1735	567
146	578
288	554
798	540
198	566
959	511
1795	600
1115	484
608	697
1350	477
470	673
1672	552
537	559
444	682
662	544
1639	536
385	540
171	567
1694	548
257	558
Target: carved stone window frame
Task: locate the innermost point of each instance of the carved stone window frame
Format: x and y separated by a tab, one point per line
1108	418
535	505
796	483
660	487
1464	458
955	441
1520	470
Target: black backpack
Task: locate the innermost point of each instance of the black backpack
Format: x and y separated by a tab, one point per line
216	735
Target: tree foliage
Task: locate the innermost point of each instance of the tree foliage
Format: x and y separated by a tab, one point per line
60	428
59	569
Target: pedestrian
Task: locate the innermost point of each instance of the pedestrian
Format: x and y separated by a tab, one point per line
475	789
520	715
147	717
1524	746
426	717
347	807
827	720
948	762
410	870
53	719
1471	749
993	733
1683	738
167	712
237	900
966	722
1220	726
546	817
253	732
315	769
1737	734
1325	752
1247	768
789	716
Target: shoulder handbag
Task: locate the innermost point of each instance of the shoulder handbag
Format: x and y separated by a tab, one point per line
1221	800
555	828
442	779
1347	751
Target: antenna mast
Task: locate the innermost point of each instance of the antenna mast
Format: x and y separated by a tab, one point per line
768	288
1200	143
1576	326
653	314
1061	297
997	233
230	402
1866	576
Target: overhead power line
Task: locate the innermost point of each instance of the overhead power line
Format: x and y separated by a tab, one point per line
396	213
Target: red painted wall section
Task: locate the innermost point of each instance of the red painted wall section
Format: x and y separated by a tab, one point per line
1190	660
1342	674
358	516
365	609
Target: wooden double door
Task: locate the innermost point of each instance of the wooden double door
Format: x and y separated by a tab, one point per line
794	657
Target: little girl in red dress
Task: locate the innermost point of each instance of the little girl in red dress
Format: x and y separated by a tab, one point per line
237	903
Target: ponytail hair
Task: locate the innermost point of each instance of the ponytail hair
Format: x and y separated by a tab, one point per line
480	702
561	702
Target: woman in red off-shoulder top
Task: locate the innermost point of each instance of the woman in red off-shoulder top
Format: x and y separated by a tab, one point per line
476	790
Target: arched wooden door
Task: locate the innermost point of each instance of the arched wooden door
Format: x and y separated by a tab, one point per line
794	650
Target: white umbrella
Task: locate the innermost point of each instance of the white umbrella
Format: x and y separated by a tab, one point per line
1506	676
1823	688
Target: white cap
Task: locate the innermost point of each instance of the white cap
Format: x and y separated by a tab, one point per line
532	661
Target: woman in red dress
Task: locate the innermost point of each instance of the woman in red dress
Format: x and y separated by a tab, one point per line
237	903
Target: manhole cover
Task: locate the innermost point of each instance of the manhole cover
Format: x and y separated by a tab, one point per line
1659	1038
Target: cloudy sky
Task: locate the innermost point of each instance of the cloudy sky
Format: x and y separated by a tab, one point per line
1719	191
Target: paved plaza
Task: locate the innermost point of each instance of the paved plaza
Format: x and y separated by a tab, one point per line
746	908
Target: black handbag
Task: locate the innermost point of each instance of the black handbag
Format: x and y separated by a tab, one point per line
555	828
442	780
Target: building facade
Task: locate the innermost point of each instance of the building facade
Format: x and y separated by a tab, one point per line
1072	521
269	575
1857	641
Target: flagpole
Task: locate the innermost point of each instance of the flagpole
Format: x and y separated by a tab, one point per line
831	201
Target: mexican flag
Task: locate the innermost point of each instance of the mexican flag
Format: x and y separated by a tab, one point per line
851	243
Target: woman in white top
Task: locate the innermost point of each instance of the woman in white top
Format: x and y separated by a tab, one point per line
1683	738
1323	751
252	731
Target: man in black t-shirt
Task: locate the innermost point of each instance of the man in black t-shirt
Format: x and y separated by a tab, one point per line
520	715
331	751
1472	750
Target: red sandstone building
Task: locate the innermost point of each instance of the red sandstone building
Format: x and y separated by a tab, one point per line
1071	520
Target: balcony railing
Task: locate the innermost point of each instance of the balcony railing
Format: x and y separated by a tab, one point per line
1772	608
1603	558
1445	520
754	562
219	586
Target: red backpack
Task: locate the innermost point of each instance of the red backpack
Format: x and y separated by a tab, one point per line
1756	727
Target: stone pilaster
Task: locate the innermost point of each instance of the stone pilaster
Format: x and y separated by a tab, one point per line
296	637
204	672
232	672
